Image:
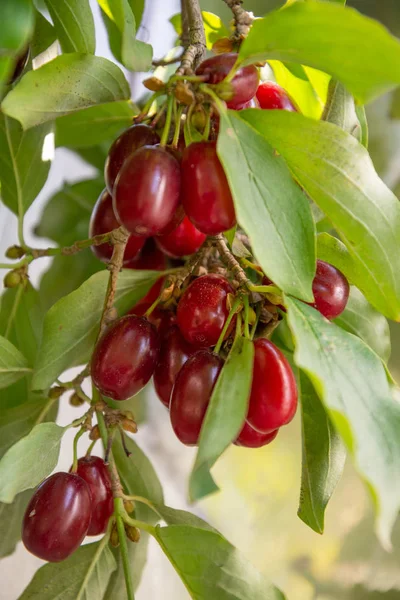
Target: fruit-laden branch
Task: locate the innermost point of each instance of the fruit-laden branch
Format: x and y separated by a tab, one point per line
242	18
193	36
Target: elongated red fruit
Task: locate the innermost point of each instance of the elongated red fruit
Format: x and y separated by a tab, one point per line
273	399
125	357
250	438
147	190
206	196
181	241
270	95
331	290
94	471
57	517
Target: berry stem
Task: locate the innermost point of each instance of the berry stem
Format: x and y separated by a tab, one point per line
254	327
97	240
135	522
236	303
246	316
119	510
177	131
168	119
76	440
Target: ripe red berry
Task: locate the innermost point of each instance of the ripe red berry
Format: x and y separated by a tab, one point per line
206	196
270	95
273	398
160	318
147	190
244	84
253	103
150	258
250	438
102	221
331	290
203	310
94	471
57	517
125	357
126	144
174	352
191	395
182	241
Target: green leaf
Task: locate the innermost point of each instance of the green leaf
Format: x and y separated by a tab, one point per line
69	83
74	25
173	516
13	365
71	325
138	478
95	155
121	25
306	33
137	553
323	458
338	174
17	23
270	207
66	216
214	27
351	381
25	158
340	110
11	516
94	125
225	416
362	119
43	36
83	576
30	460
210	567
361	319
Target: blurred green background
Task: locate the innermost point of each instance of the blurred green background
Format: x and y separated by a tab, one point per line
257	506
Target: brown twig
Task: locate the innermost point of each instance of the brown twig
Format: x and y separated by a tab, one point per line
193	37
230	261
164	62
243	19
97	240
191	265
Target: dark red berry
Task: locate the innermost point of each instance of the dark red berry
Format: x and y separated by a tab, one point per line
57	517
206	196
174	352
126	144
203	310
150	259
102	221
182	241
244	84
270	95
176	220
273	398
191	395
147	190
125	357
94	471
250	438
160	318
331	290
253	103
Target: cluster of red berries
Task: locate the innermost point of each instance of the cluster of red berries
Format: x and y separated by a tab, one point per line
66	507
179	199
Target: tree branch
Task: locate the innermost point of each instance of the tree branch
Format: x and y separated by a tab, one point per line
193	36
242	19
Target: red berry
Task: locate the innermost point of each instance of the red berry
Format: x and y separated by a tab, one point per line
161	319
270	95
203	310
126	144
102	221
182	241
331	290
94	471
250	438
174	352
253	103
206	196
150	259
125	357
273	398
57	517
147	190
191	395
244	84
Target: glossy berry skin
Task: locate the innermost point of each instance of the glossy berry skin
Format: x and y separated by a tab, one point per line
102	221
273	398
147	191
331	290
253	103
191	395
126	144
202	310
94	471
182	241
270	95
161	319
125	357
206	196
57	517
244	83
174	352
151	258
250	438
